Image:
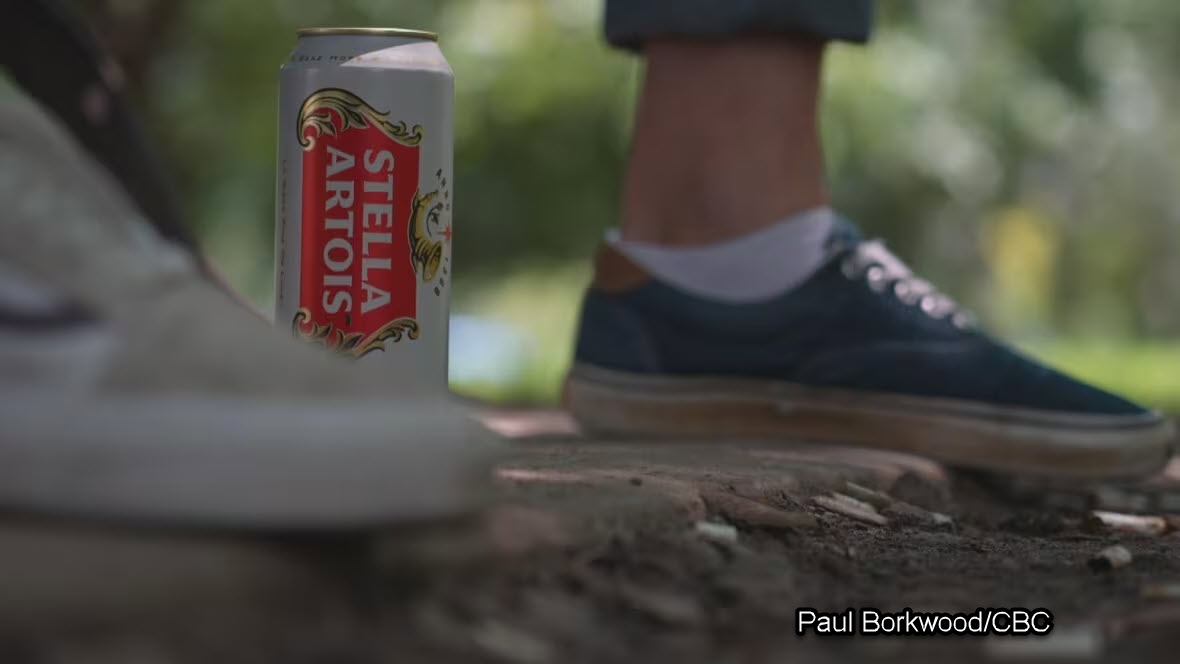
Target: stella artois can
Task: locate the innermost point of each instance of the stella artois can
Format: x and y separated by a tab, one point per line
363	211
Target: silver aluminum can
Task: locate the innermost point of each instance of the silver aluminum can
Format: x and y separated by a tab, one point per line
363	200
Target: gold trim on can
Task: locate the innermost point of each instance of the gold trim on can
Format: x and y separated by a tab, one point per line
375	32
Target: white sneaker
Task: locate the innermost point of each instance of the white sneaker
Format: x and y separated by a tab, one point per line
132	389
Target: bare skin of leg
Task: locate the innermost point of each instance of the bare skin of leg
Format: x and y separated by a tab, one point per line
726	139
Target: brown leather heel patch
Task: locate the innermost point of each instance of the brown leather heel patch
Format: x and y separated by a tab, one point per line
614	272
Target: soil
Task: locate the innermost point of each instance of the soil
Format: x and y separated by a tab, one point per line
665	595
628	578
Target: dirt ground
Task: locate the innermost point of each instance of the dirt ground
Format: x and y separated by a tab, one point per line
595	552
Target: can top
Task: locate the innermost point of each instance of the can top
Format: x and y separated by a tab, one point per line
379	32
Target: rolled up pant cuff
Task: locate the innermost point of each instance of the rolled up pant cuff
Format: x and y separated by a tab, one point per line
630	23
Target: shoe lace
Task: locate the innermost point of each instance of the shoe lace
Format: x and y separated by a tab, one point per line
883	271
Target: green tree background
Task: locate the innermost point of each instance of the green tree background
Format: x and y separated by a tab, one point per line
1022	155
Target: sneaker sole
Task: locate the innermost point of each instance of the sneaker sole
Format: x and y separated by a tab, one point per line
219	463
955	432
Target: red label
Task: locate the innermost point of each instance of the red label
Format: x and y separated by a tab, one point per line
358	285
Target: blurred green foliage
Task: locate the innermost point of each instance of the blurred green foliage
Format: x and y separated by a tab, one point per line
1022	155
542	108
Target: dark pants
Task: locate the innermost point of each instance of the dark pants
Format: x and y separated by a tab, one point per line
629	23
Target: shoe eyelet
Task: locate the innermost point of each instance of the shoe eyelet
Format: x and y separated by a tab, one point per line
928	305
901	290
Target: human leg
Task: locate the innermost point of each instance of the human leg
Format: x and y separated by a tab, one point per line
714	315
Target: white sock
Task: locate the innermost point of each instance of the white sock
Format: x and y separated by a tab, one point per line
753	267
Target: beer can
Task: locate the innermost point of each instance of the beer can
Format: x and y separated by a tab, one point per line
363	200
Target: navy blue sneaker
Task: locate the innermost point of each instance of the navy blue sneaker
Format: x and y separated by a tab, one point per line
862	353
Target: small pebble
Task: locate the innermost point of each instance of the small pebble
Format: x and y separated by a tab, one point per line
720	532
873	497
1150	526
850	507
1112	557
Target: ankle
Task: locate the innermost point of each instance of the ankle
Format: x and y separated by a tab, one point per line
671	211
726	140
